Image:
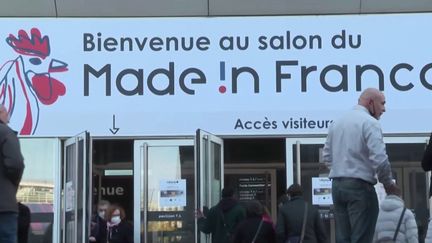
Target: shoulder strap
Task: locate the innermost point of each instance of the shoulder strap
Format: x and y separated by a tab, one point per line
304	222
399	224
258	230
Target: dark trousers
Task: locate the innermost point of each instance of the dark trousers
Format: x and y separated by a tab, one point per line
8	227
355	210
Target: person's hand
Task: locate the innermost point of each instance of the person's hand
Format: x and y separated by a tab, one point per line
392	189
199	214
92	239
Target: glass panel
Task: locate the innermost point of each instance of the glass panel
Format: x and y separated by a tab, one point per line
36	189
405	161
216	172
309	153
206	175
170	202
80	193
70	193
406	152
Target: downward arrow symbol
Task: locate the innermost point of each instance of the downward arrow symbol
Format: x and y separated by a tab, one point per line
114	129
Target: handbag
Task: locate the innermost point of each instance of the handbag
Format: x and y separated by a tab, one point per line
392	240
299	239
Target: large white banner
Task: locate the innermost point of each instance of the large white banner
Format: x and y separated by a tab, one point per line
240	75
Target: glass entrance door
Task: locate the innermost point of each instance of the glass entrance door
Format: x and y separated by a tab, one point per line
171	179
77	188
304	162
209	172
164	194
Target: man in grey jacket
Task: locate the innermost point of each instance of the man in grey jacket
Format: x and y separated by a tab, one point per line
11	170
357	155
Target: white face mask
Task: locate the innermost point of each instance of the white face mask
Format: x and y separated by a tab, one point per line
115	219
101	214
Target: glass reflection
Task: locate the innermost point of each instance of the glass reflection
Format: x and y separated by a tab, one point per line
36	189
170	207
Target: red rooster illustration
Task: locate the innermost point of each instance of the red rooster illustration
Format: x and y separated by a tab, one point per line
26	81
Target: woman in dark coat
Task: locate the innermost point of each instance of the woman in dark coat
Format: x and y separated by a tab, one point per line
290	219
254	226
118	229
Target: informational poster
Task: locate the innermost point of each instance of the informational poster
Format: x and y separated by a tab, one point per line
172	193
252	187
321	191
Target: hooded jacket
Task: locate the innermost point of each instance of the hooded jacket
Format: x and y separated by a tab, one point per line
11	168
390	211
222	219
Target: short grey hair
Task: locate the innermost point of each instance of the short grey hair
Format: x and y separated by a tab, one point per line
103	203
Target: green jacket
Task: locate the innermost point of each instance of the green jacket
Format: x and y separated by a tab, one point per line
222	219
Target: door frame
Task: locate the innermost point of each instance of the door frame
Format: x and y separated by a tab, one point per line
140	164
388	139
86	186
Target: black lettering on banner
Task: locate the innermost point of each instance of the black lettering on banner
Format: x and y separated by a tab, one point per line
238	124
258	125
423	80
369	67
229	43
280	75
304	123
111	44
105	70
339	41
393	80
235	72
288	41
343	85
88	44
138	74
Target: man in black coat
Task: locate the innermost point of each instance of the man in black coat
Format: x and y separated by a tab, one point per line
222	219
98	233
290	219
11	170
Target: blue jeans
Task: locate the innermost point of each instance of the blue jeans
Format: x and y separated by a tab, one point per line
8	227
355	210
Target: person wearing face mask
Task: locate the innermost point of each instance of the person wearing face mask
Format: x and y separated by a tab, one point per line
98	226
357	156
118	229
